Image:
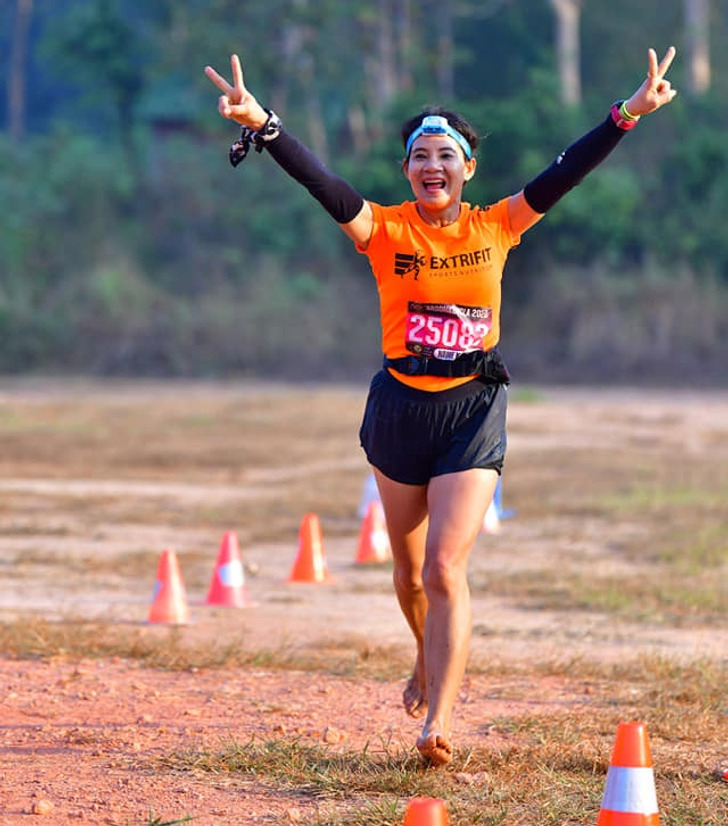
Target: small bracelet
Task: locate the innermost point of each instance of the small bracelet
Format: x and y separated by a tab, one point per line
625	111
621	116
268	132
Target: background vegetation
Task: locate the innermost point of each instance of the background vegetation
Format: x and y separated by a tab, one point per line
129	246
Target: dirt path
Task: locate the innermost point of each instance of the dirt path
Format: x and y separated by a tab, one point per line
84	740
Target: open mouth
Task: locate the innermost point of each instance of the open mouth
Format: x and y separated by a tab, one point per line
433	184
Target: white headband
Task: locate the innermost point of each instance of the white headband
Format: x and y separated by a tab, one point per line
437	125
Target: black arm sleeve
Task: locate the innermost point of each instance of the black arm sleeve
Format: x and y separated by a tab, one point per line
335	195
572	166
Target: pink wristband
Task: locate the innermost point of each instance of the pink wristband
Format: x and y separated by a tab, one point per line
620	120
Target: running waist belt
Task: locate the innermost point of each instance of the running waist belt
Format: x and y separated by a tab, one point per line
488	364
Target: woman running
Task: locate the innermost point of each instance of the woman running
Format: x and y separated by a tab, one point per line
434	427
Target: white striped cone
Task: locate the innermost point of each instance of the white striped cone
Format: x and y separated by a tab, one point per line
491	521
629	797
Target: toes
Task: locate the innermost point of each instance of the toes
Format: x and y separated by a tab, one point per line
435	749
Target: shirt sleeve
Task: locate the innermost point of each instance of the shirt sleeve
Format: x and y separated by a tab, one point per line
497	215
376	229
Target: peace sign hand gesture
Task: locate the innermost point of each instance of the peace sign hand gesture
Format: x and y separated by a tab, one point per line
236	102
655	91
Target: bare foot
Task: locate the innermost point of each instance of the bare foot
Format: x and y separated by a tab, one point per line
414	698
435	748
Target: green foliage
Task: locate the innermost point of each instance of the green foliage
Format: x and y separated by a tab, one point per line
694	195
97	49
62	209
136	184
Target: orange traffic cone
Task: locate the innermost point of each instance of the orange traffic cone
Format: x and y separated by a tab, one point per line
426	811
629	796
169	603
373	537
227	586
310	563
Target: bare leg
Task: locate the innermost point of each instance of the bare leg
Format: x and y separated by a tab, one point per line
457	504
405	510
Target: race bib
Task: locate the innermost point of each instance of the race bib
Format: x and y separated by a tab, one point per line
445	331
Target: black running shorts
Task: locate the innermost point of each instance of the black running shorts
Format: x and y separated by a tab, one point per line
412	435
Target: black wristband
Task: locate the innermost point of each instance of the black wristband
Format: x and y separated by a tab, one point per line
258	138
572	166
335	195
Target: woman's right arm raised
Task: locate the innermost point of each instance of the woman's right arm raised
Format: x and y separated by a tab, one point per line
345	205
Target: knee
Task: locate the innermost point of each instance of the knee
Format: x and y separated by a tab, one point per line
407	579
441	578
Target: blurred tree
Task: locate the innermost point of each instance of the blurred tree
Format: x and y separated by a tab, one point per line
568	49
185	231
95	46
17	75
445	49
697	28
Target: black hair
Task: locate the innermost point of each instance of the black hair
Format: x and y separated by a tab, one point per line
455	120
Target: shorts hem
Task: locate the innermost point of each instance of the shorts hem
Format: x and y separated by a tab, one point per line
496	466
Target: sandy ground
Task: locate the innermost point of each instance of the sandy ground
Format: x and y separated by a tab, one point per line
83	740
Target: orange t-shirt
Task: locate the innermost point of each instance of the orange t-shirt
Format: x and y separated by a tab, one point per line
439	287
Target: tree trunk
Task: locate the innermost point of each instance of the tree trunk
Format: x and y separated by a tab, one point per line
316	128
568	49
17	79
387	70
380	71
697	25
445	72
403	28
299	64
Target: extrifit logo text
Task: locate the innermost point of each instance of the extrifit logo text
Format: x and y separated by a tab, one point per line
406	263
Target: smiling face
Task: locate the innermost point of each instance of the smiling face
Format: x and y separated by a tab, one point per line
437	171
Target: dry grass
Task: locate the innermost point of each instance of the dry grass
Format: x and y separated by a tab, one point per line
546	769
633	498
